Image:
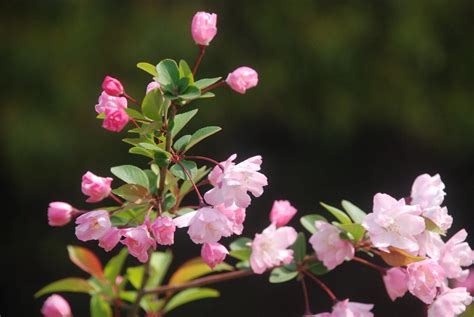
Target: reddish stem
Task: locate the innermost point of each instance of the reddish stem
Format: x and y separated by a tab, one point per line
203	158
380	269
116	198
201	200
133	100
202	50
218	84
134	122
321	284
307	308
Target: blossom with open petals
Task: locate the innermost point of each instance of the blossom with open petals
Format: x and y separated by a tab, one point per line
396	282
92	225
138	241
424	279
455	254
450	303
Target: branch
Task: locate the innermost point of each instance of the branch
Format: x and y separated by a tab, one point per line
321	284
201	200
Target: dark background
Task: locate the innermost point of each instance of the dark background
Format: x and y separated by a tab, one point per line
355	97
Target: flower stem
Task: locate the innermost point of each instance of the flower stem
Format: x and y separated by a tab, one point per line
307	308
203	158
202	50
133	100
218	84
201	200
321	284
381	270
115	198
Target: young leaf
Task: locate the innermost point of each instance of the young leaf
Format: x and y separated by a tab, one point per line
189	295
206	82
185	71
299	248
159	264
431	226
100	307
192	92
240	243
135	275
308	221
181	143
201	134
134	114
168	73
241	254
180	121
70	284
178	171
130	174
282	274
86	260
149	68
398	257
195	268
339	214
152	105
355	212
317	268
133	193
354	229
114	266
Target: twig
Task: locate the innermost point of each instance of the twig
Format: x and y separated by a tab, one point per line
185	170
381	270
202	50
321	284
307	308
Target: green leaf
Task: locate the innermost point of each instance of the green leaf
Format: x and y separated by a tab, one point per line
206	82
431	226
159	264
169	202
299	248
185	71
317	268
240	243
134	114
355	212
168	73
207	95
70	284
180	121
189	295
100	307
282	274
201	134
162	158
130	174
183	85
356	230
129	296
181	143
134	193
152	105
141	151
195	268
309	220
241	254
178	171
152	180
149	68
192	92
101	115
114	266
339	214
86	260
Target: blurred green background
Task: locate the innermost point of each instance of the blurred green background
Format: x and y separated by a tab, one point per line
355	97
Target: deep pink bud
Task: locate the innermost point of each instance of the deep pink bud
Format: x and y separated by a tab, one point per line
110	239
59	213
163	229
213	253
282	212
96	187
56	306
112	86
115	119
152	85
242	78
204	28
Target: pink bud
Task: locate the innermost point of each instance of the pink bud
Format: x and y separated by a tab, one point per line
96	187
107	101
204	28
115	119
59	213
110	239
242	78
213	253
56	306
152	85
282	212
396	282
163	229
112	86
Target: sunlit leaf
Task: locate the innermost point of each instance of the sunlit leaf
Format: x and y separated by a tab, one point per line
114	266
100	307
130	174
133	193
86	260
195	268
282	274
201	134
309	220
339	214
206	82
149	68
189	295
356	230
70	284
398	257
355	212
180	121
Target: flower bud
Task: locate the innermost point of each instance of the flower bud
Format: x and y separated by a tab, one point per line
56	306
59	213
282	212
112	86
204	28
213	253
152	85
96	187
163	229
115	119
242	79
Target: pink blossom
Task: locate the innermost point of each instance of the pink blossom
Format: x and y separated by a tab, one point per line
427	191
213	253
163	229
59	213
468	283
396	282
282	212
455	254
393	223
450	303
270	248
346	308
235	217
96	187
92	225
329	246
138	241
56	306
319	315
109	240
232	184
439	216
429	244
203	27
424	279
152	85
208	225
112	86
242	78
115	119
110	102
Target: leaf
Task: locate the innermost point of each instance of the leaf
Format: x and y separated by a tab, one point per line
355	212
86	260
135	275
134	113
130	174
398	257
282	274
207	95
133	193
189	295
339	214
187	186
181	143
129	296
152	105
240	243
299	248
100	307
162	158
192	92
206	82
159	264
178	171
185	71
168	73
149	68
201	134
169	202
152	180
431	226
317	268
356	230
241	254
70	284
114	266
180	121
195	268
309	220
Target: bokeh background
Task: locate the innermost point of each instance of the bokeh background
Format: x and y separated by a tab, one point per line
355	97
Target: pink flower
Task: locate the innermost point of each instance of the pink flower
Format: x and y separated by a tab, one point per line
109	240
208	225
329	246
56	306
424	279
392	223
203	27
396	282
59	213
270	248
427	191
152	85
138	241
163	229
468	283
232	184
235	217
346	308
450	303
112	86
429	244
242	78
115	119
96	187
92	225
455	254
213	253
282	212
110	102
439	216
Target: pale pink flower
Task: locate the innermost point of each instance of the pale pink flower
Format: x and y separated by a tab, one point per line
96	187
455	254
270	248
429	244
56	306
163	229
235	216
396	282
346	308
213	253
138	241
152	85
109	240
439	216
242	78
319	315
329	246
59	213
468	283
112	86
424	279
110	102
450	303
282	212
115	119
203	27
427	191
92	225
208	225
393	223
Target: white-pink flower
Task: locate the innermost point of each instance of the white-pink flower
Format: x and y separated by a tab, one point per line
468	283
163	229
242	78
346	308
92	225
282	212
393	223
450	303
427	191
107	101
56	306
213	253
424	279
396	282
59	213
429	244
208	225
329	246
203	27
138	241
110	239
96	187
439	216
455	254
270	248
235	216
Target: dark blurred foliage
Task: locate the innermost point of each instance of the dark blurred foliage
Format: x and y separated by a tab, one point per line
355	97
